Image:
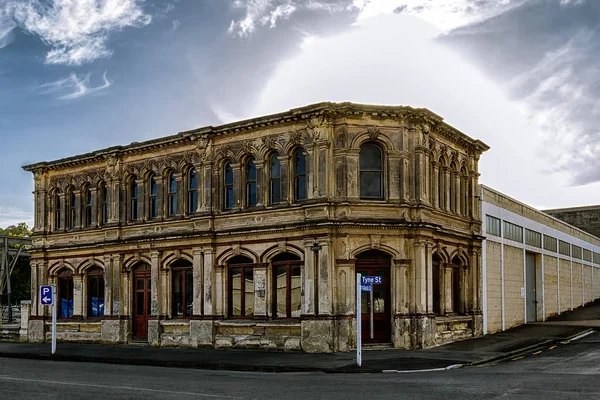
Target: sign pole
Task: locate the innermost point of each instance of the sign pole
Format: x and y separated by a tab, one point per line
358	321
371	293
53	319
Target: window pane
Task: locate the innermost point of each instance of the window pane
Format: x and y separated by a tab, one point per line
251	171
251	192
236	292
177	293
281	290
192	179
228	174
275	167
192	201
249	292
229	197
139	303
189	292
295	289
299	162
275	191
300	188
370	185
370	158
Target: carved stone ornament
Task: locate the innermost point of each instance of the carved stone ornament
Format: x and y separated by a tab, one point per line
373	132
223	151
296	137
247	146
268	142
375	241
236	249
341	137
281	245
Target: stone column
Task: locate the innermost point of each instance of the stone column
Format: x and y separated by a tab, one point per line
434	185
34	287
209	292
260	292
78	296
220	292
119	295
353	174
284	163
324	280
309	154
197	277
447	189
260	192
417	189
114	203
160	196
457	199
396	177
153	323
179	195
94	194
63	212
448	278
322	169
427	176
308	279
108	287
401	271
429	261
420	282
237	186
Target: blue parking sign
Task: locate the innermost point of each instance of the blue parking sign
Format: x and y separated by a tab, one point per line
46	295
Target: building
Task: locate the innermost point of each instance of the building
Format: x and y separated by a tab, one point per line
586	218
250	234
535	266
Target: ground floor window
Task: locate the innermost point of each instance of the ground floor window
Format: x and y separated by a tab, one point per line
241	287
286	286
95	294
65	294
183	289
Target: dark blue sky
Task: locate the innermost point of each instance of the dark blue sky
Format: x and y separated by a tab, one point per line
76	76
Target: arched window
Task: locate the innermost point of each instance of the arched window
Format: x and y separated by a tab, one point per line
103	203
228	186
95	292
183	289
152	193
240	287
65	293
275	180
192	191
250	183
57	207
371	172
72	209
88	207
299	175
286	286
172	200
133	196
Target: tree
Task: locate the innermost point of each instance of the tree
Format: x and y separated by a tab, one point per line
21	276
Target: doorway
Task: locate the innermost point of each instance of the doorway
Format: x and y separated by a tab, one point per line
141	301
376	263
531	295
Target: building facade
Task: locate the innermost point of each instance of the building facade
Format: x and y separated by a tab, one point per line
586	218
535	266
251	234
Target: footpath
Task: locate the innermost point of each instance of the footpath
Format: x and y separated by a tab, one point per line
470	352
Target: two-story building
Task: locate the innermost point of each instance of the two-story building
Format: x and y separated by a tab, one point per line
250	234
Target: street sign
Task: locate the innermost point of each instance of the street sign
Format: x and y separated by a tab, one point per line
371	280
46	298
366	288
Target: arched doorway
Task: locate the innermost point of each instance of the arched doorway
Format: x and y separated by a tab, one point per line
376	263
141	300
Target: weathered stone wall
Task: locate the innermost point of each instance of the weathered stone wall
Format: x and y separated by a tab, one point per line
585	218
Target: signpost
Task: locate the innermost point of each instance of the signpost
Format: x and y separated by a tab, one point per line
48	298
364	284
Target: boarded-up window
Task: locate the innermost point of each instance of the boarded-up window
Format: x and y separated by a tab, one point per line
577	252
533	238
564	248
513	232
493	225
549	243
587	255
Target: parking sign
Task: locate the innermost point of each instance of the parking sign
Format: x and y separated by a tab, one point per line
46	295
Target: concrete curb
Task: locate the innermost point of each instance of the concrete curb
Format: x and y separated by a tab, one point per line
527	349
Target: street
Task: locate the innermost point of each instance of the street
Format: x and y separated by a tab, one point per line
564	372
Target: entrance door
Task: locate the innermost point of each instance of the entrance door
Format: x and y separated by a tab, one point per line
531	295
381	305
141	303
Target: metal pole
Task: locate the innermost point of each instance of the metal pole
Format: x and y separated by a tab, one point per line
358	322
371	311
54	299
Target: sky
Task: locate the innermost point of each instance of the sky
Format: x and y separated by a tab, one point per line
521	75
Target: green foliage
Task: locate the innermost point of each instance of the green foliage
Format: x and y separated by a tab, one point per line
21	277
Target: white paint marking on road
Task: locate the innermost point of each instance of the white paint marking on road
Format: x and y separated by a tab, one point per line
580	336
395	371
12	378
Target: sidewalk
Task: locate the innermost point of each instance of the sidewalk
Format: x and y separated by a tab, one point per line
467	352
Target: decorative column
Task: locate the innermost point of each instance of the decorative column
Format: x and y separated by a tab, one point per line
429	261
108	287
114	208
237	186
426	196
153	322
261	200
420	292
353	174
447	189
422	332
396	174
448	278
94	194
260	293
322	168
308	278
219	303
457	191
434	184
63	212
401	326
324	286
284	165
78	295
179	194
197	278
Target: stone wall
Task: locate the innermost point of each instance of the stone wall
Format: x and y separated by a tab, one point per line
585	218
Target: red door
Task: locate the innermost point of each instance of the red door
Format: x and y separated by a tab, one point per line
141	303
382	324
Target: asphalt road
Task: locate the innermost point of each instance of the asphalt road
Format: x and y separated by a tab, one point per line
569	371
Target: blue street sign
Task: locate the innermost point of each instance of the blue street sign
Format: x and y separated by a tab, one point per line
366	288
371	280
46	295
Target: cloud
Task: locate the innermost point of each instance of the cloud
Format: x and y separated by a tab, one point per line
176	24
76	30
6	31
13	216
72	87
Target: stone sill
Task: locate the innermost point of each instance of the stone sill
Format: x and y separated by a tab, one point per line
250	323
455	318
179	322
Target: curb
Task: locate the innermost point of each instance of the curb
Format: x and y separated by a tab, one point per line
530	348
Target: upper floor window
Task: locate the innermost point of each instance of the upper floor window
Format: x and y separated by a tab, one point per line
133	196
172	201
57	207
152	193
228	186
192	190
103	203
275	180
88	207
250	183
371	172
299	175
72	209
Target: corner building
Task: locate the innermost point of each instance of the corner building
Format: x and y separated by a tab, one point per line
250	234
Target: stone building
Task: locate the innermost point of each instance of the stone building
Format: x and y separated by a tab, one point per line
250	234
535	266
586	218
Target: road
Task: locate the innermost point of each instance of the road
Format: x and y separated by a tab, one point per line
569	371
